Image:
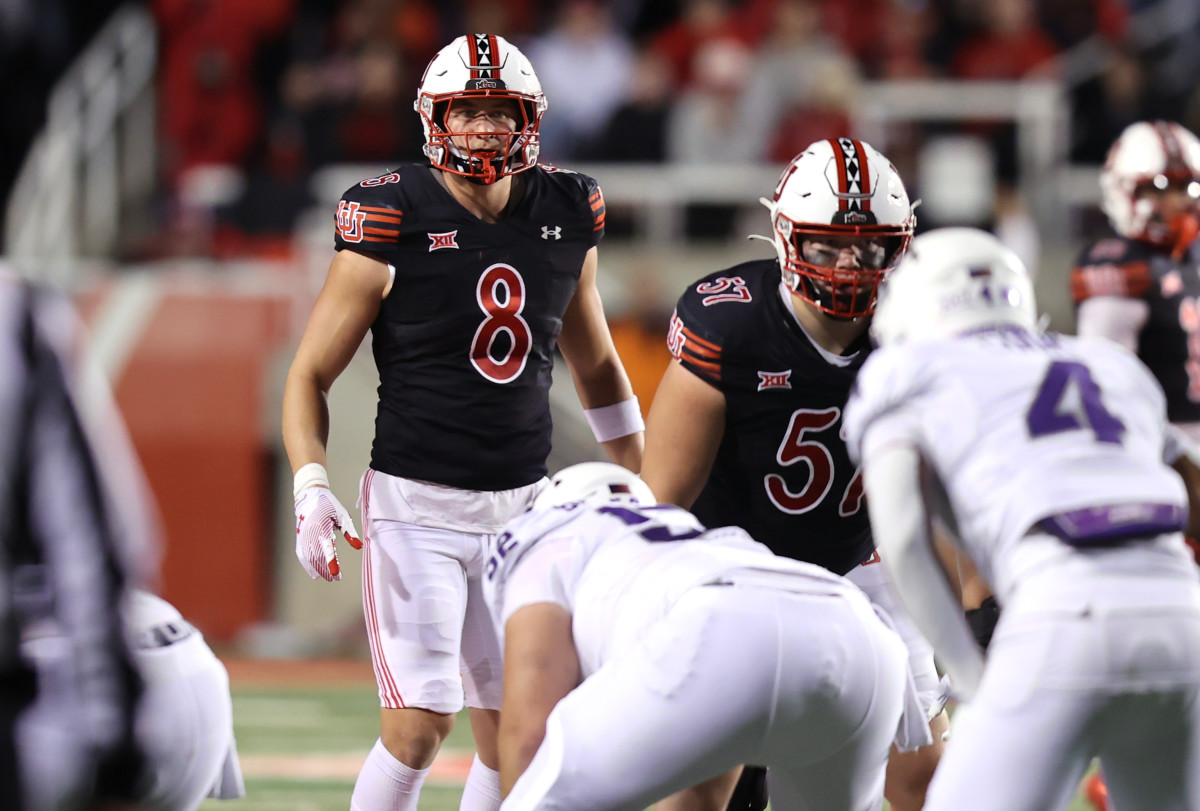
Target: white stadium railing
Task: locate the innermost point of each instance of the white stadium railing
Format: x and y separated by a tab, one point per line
96	154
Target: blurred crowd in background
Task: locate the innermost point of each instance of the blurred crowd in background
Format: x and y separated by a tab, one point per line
280	88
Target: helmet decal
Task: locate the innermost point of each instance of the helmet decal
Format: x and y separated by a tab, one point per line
484	53
854	175
1172	150
597	482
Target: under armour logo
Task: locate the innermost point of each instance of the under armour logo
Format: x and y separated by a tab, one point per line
551	233
774	380
439	241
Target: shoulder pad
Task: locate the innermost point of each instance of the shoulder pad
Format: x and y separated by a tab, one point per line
694	345
522	533
711	312
369	213
585	189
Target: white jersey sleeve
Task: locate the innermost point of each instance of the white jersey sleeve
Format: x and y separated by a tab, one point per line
546	573
883	401
1114	318
521	537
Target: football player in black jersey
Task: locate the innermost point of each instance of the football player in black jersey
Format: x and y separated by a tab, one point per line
467	272
745	428
1141	288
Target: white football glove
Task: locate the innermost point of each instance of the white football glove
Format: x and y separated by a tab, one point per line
320	518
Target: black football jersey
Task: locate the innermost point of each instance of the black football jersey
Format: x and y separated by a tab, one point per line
464	341
1169	343
782	472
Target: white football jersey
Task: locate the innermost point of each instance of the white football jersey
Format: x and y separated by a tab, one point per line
619	567
1020	428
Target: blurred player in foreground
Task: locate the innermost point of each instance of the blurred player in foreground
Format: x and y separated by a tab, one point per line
183	725
66	733
119	703
644	654
1045	455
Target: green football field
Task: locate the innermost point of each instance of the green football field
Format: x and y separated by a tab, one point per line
301	748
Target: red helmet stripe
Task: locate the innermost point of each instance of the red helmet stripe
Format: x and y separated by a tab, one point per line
864	174
1172	149
485	56
474	56
839	158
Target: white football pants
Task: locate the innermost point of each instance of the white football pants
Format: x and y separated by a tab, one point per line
1084	665
812	686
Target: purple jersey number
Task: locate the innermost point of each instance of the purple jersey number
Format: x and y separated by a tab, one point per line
656	533
1047	415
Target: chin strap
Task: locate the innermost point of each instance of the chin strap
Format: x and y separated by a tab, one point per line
1184	230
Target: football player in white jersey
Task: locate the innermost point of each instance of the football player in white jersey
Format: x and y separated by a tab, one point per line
185	719
644	654
183	724
1047	457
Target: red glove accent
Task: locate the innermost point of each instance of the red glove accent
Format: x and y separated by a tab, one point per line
319	516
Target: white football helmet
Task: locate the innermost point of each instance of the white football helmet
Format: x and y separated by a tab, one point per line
1151	155
953	280
480	65
841	190
594	481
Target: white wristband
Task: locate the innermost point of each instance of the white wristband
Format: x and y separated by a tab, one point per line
616	420
312	474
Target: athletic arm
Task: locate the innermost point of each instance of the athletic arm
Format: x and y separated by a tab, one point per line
600	378
1116	318
344	310
683	433
900	521
540	667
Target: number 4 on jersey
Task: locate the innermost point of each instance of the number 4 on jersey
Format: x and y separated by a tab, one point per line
1069	400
